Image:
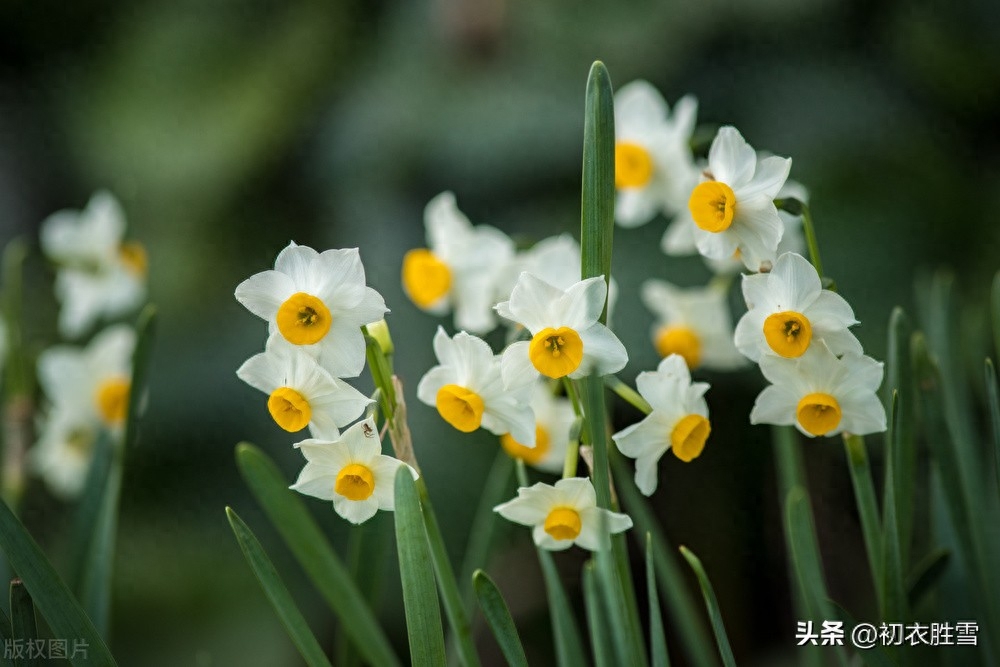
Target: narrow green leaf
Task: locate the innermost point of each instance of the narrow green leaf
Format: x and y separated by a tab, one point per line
498	617
598	623
5	636
899	378
993	400
367	550
313	552
88	508
597	221
864	494
420	600
484	523
995	312
62	612
564	630
658	638
687	616
876	656
714	613
22	618
893	594
926	575
276	592
628	649
805	551
145	330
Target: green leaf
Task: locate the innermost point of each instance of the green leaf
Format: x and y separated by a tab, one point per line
805	552
993	400
926	575
381	372
598	624
899	379
629	649
313	552
367	549
876	656
892	592
714	614
658	638
597	221
564	630
995	312
864	493
62	612
498	618
276	592
484	523
5	636
88	508
22	616
423	615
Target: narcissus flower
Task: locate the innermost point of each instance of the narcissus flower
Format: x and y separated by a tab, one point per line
654	168
351	471
789	311
554	418
821	394
317	299
300	392
64	451
693	323
567	339
100	274
468	392
732	208
564	515
460	269
678	422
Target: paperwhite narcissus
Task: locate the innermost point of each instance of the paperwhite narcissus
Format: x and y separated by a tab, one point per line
64	451
654	168
100	274
678	422
301	392
789	311
564	515
554	418
460	269
317	299
567	339
351	471
732	208
821	394
694	323
468	392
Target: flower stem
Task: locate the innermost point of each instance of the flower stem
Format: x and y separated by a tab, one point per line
627	393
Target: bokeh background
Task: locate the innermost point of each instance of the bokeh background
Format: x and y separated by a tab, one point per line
228	128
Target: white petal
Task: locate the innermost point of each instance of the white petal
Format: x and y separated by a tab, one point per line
355	511
431	383
731	159
635	206
325	453
582	304
862	414
749	334
647	471
603	353
719	245
316	481
685	115
679	240
342	351
474	303
445	224
639	105
339	278
261	372
263	293
577	492
830	311
547	542
516	368
648	437
294	261
516	418
794	283
775	405
597	525
531	302
768	177
384	471
840	341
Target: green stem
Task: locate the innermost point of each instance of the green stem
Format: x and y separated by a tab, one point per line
800	208
864	492
627	393
573	451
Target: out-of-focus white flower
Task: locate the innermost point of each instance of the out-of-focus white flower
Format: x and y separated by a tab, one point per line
554	418
301	392
789	311
564	515
821	394
678	422
64	451
318	300
567	339
693	323
654	168
351	471
461	268
468	392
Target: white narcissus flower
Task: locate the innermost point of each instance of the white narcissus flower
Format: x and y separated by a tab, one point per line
564	515
554	419
100	274
678	422
461	268
654	168
567	339
317	299
732	208
64	451
694	323
468	392
351	471
821	394
300	391
789	311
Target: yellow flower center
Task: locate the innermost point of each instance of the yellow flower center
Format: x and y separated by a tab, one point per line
425	277
556	352
563	523
111	397
788	333
633	165
355	482
133	256
679	340
460	407
818	413
289	408
687	440
713	204
530	455
303	319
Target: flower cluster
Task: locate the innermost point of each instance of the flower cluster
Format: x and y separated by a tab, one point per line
315	305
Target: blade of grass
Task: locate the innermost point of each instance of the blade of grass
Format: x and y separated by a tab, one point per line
312	550
899	378
629	649
598	624
498	617
892	595
876	656
993	400
51	597
926	575
864	493
712	604
276	592
22	621
995	312
420	600
5	637
366	562
88	508
657	637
